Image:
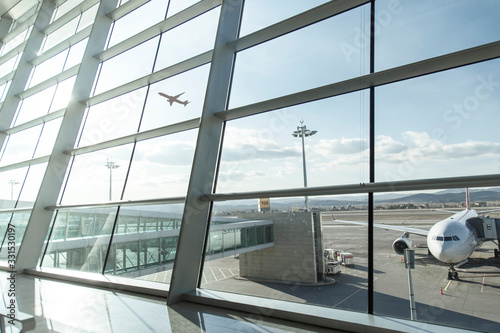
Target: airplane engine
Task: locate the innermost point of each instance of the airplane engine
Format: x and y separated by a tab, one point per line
401	244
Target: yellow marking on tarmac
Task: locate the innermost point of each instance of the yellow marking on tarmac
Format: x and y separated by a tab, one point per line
446	288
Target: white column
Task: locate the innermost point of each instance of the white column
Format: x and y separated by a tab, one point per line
39	222
189	256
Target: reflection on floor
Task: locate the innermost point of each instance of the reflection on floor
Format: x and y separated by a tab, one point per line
64	307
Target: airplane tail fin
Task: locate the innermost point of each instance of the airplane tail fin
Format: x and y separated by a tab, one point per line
467	200
185	103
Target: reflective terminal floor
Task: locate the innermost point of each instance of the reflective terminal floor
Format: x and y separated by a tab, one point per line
65	307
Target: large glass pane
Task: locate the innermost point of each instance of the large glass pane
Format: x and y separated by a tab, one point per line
440	125
3	90
145	242
62	95
48	68
191	85
11	184
66	7
140	19
303	59
277	250
20	146
79	239
15	226
438	242
10	45
8	66
425	29
188	40
87	17
31	185
97	176
175	6
259	14
113	118
75	54
127	66
161	167
61	34
48	138
35	106
260	153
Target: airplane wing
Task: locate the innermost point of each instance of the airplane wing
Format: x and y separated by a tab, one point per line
175	97
489	211
414	231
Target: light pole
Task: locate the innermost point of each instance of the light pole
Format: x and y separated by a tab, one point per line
302	132
111	165
12	182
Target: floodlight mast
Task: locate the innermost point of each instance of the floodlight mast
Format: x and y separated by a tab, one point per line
302	132
110	165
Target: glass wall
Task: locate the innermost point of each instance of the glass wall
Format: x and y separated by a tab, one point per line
267	146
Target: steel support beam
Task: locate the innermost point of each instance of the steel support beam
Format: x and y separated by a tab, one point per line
195	221
52	182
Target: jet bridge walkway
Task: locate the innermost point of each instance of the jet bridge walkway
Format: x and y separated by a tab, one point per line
146	246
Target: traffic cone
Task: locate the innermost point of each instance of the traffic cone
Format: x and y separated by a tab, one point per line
441	292
401	258
389	255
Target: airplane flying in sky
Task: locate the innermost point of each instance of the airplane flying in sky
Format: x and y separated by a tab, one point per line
172	99
451	240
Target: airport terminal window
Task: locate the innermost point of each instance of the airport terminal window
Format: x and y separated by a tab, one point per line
48	68
449	118
138	20
434	126
113	118
161	166
20	146
11	181
35	105
97	176
426	29
191	84
127	66
303	59
260	153
175	47
259	14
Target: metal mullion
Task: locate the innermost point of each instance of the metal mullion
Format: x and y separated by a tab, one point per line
121	203
168	24
34	122
50	82
126	8
322	12
70	15
63	45
13	53
429	66
184	66
392	186
371	163
26	163
150	134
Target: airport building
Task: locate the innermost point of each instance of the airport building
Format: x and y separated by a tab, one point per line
171	165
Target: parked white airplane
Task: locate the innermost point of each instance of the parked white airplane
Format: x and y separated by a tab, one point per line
451	240
172	99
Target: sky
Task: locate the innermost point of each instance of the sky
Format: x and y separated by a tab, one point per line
440	125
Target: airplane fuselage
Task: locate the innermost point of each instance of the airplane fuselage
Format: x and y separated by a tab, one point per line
452	240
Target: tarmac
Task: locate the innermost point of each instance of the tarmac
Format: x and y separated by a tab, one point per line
472	302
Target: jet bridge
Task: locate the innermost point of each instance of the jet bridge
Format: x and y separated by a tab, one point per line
487	229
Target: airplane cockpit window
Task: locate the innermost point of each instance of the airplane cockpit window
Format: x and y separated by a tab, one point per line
448	239
439	238
456	238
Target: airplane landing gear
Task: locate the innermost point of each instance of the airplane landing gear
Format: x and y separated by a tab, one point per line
452	274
